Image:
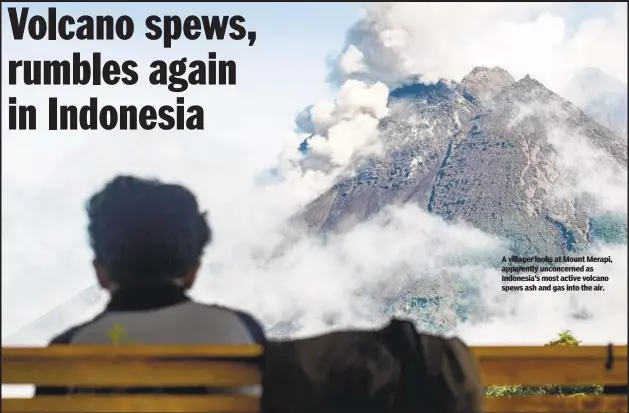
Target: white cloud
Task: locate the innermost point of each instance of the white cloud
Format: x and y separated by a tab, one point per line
352	61
439	40
532	317
339	130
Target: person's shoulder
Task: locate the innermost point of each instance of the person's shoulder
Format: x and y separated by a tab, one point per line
66	336
251	323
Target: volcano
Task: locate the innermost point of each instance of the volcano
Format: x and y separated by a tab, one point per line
489	151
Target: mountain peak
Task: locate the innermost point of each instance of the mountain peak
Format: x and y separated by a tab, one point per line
485	82
527	79
528	84
484	71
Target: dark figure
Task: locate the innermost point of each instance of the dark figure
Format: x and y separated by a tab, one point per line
615	390
148	238
392	370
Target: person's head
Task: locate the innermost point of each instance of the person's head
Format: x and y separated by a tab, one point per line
145	232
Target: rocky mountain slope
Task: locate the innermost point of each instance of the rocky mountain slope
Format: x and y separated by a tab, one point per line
481	151
602	97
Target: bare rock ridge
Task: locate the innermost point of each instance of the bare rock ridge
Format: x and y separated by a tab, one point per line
484	83
483	151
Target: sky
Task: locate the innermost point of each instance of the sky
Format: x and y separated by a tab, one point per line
343	58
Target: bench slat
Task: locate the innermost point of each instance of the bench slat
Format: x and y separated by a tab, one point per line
252	351
554	404
122	372
242	404
134	351
25	367
540	352
564	371
139	404
560	365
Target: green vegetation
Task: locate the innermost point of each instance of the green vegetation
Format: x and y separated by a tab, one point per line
565	339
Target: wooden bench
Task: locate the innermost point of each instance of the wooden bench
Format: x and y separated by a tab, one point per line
231	366
550	365
132	366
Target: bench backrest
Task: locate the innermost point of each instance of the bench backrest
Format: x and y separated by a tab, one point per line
133	366
554	365
156	366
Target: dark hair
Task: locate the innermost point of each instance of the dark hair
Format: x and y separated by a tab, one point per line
145	230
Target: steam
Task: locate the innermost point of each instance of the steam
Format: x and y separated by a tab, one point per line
395	41
348	126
